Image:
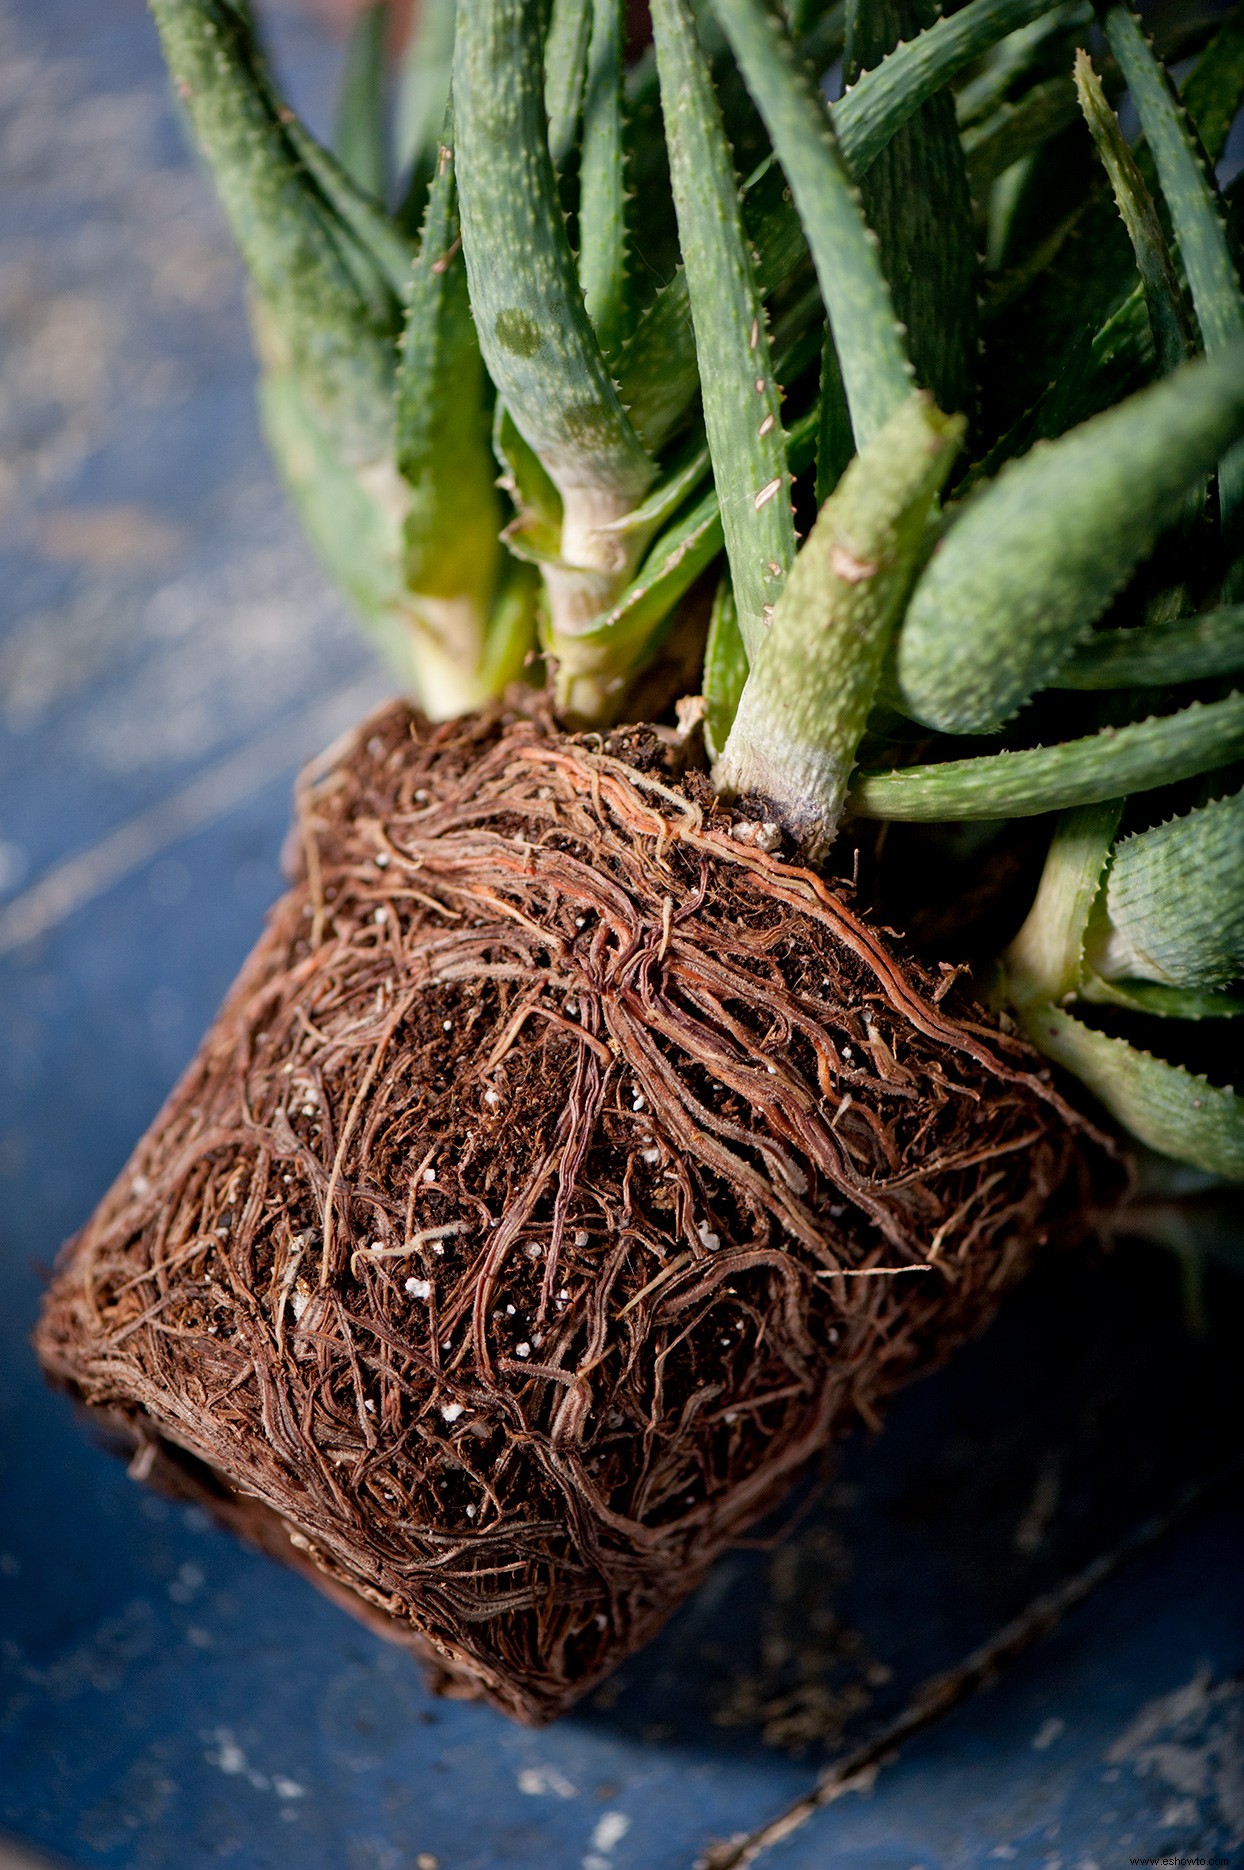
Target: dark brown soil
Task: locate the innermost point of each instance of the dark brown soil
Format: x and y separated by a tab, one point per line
560	1175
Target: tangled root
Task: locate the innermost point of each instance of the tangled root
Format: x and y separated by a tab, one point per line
559	1176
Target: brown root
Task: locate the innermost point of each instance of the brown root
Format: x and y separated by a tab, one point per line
559	1176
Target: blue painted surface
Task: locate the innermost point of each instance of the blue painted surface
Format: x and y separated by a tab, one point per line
168	1698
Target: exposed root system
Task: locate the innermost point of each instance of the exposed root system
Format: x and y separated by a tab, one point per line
560	1175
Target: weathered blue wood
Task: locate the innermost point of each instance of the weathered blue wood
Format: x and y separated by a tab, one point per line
169	1700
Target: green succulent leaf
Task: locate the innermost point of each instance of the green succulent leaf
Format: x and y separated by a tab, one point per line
595	664
1157	655
1030	560
330	313
1214	88
657	371
535	532
602	182
450	533
1193	203
1021	55
742	403
386	245
1171	336
1118	760
1046	960
1167	1107
918	202
422	100
1017	130
875	370
565	70
360	139
725	670
535	335
1149	997
1173	907
814	673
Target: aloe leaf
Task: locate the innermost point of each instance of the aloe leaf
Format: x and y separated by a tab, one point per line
359	139
423	84
1017	130
882	99
1032	558
875	371
329	310
1024	51
1097	372
1173	908
535	335
1193	205
1118	760
385	244
835	439
450	533
1167	1107
357	537
657	370
1144	996
671	491
742	403
1186	649
813	675
602	181
565	69
917	201
1214	88
535	533
1045	961
725	670
1171	337
422	100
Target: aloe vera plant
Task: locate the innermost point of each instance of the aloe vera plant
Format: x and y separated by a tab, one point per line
572	1158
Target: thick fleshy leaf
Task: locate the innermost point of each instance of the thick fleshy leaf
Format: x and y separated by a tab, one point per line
422	100
360	138
1171	337
1193	203
657	371
330	307
565	69
917	201
1046	959
602	181
725	670
1173	908
451	528
875	371
742	403
1156	655
1119	760
1164	1105
1146	996
533	330
1035	556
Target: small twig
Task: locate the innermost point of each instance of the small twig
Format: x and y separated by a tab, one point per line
856	1771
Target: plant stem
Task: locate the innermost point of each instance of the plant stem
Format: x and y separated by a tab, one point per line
814	673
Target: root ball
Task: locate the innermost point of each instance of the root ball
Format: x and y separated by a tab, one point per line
560	1175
